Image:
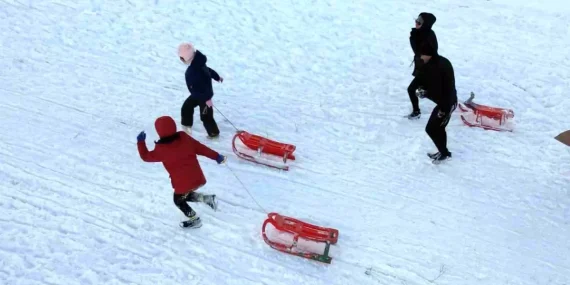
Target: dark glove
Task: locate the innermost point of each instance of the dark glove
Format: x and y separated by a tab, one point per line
413	32
141	137
220	159
441	114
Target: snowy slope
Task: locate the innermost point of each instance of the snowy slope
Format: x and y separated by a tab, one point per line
80	79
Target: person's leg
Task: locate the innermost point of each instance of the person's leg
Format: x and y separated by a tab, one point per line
207	118
414	85
435	128
180	202
187	114
209	200
432	128
442	134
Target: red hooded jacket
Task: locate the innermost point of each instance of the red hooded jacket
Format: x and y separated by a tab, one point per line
178	153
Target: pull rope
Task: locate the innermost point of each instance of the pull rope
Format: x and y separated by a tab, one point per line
232	171
246	190
218	110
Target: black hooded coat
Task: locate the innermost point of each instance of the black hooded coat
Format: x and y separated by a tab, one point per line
423	35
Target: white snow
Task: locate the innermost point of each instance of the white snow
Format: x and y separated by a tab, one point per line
80	79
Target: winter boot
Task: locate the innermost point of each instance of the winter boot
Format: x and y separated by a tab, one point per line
188	130
440	158
192	222
414	115
214	136
433	155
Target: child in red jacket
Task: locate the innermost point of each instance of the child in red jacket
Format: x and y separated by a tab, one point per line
178	153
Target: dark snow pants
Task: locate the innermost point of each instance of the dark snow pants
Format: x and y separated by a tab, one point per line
180	200
414	85
206	116
435	128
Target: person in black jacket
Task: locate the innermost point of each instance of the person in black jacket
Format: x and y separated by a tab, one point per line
420	34
436	79
199	82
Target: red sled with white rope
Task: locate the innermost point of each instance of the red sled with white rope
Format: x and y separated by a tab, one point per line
299	238
486	117
262	150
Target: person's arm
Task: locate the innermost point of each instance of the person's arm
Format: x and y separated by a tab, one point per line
432	39
414	40
215	75
206	151
147	156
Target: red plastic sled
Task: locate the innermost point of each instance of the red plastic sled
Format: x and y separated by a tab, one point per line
256	145
499	116
303	230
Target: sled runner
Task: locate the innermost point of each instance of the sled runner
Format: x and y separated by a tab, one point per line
301	230
262	150
486	117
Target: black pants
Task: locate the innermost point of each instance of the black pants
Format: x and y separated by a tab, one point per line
435	129
180	202
206	116
412	93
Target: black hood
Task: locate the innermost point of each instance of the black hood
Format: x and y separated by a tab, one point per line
429	20
199	59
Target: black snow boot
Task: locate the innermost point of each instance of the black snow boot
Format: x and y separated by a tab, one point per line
439	158
433	155
414	115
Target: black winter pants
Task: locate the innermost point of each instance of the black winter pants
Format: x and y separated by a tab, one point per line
180	202
206	116
435	128
415	84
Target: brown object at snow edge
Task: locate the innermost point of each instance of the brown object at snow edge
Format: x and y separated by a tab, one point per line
564	137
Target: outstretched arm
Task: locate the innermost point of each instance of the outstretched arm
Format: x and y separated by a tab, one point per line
147	156
214	75
202	149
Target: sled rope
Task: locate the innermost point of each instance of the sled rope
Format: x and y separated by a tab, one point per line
247	190
218	110
232	171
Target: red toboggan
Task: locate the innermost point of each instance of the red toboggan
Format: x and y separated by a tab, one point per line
262	150
300	230
486	117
